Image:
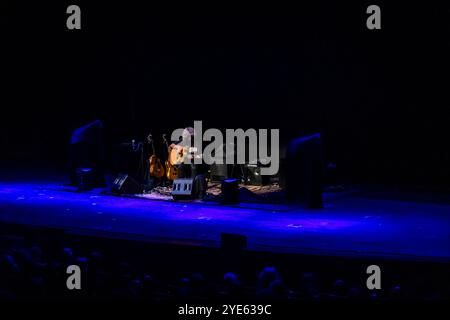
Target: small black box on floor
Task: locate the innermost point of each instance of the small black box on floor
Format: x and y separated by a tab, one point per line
230	191
232	241
124	184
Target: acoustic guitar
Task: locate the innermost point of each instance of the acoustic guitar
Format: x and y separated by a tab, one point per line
156	168
178	154
171	170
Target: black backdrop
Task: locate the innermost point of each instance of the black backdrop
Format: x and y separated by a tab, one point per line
379	98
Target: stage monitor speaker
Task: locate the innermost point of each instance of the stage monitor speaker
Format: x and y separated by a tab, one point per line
304	170
124	184
189	188
183	189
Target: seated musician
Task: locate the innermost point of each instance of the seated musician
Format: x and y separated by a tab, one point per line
186	150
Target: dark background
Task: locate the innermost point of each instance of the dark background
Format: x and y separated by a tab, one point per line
379	97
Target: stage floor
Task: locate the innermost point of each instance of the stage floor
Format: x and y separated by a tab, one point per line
354	224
